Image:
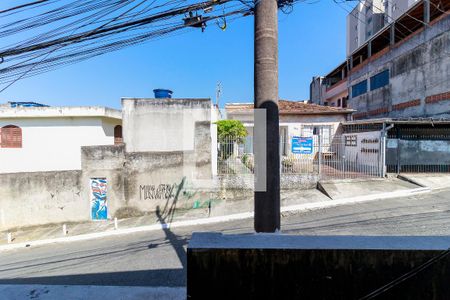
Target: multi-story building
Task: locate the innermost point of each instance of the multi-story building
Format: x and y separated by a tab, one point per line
398	60
402	70
366	19
331	90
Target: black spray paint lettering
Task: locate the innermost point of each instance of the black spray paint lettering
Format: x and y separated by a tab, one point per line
162	191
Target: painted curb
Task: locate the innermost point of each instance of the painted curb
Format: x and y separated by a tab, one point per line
219	219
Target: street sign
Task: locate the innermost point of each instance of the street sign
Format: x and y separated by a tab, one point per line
302	145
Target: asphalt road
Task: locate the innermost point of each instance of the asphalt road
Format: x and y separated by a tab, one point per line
158	258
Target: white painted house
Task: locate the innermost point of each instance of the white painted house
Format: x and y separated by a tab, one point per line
297	118
34	139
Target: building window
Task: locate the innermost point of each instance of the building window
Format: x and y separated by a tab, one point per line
118	139
379	80
344	102
11	137
359	88
339	102
351	141
325	130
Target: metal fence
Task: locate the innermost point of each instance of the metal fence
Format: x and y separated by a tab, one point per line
235	156
329	157
418	149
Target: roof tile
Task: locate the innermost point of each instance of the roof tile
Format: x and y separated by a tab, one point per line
294	107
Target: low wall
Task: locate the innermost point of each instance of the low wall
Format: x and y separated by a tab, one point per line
143	182
418	153
265	266
41	197
136	184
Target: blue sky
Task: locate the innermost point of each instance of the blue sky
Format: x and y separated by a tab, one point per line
311	42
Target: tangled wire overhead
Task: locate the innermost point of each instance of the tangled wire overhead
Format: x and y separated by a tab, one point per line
42	35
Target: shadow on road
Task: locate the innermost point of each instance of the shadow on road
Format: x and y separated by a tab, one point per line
165	217
169	277
161	277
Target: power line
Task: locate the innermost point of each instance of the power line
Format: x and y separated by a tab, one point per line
18	7
118	24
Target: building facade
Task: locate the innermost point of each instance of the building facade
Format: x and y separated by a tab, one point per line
297	118
365	20
331	90
40	138
397	62
402	72
74	167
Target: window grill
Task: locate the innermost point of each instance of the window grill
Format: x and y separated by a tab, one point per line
11	137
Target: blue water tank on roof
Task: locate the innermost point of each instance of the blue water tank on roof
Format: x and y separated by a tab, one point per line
162	93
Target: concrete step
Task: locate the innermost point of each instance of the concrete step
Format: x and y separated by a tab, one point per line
431	180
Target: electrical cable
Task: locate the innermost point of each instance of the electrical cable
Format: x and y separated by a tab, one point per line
118	24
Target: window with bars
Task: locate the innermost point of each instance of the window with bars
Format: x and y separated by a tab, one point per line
351	140
118	139
11	137
311	130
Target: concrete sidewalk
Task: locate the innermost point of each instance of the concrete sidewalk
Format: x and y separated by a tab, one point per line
434	181
343	189
334	193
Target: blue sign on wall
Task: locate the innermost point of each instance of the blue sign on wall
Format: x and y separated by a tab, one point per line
302	145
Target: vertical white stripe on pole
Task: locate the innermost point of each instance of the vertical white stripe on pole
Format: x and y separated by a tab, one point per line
259	143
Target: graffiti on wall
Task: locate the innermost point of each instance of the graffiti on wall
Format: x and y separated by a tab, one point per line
99	207
151	192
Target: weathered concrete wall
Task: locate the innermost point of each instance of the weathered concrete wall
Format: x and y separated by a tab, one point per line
137	184
418	152
105	162
317	90
140	182
162	124
156	179
246	182
419	77
41	197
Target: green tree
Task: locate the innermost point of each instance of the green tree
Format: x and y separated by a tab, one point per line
231	129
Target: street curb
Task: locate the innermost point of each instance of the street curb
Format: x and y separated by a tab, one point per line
219	219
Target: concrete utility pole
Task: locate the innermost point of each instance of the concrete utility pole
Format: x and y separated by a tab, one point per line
267	156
